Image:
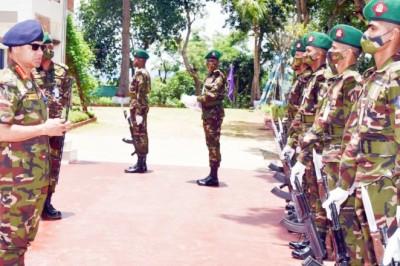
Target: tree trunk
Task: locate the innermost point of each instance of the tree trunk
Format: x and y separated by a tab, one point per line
304	11
192	72
255	88
80	91
123	87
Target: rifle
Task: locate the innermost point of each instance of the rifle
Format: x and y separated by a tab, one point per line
311	231
133	140
57	143
342	258
282	131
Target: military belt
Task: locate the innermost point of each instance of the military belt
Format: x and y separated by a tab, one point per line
378	147
335	131
307	118
213	103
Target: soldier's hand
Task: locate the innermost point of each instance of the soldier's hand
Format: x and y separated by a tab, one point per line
56	127
139	119
298	171
337	196
392	250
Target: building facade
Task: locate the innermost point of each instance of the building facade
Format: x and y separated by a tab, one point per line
52	14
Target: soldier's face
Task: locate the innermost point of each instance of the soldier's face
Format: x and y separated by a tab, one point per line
29	55
139	62
211	64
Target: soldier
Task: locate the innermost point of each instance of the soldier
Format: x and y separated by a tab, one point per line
371	159
24	143
212	114
55	82
317	45
330	122
139	107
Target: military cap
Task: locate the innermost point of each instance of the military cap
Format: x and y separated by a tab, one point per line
47	38
297	46
346	34
140	54
317	39
383	10
22	33
213	54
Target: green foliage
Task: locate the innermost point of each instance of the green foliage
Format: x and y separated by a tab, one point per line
79	58
76	115
274	110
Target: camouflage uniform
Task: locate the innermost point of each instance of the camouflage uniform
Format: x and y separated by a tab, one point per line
372	151
24	168
55	84
213	113
329	126
139	106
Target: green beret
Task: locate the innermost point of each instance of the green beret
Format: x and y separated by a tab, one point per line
384	10
346	34
297	46
213	54
140	54
317	39
47	38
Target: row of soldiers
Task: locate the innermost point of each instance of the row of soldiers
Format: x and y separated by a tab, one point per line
346	127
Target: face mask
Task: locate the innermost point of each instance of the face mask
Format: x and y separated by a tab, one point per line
309	60
48	54
334	57
371	45
297	63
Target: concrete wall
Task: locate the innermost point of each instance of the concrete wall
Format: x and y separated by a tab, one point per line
51	14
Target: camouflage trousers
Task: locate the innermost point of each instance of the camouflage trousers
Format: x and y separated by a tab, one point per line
312	195
212	129
141	136
56	145
383	194
20	211
350	226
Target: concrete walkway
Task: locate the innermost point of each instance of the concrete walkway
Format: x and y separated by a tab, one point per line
162	217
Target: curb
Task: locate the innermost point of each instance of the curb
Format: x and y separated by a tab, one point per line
82	123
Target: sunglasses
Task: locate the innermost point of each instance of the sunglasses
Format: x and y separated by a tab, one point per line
36	46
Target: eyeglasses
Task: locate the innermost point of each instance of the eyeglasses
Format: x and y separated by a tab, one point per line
36	46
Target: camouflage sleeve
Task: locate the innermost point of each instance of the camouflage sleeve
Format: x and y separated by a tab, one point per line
394	113
66	84
214	91
352	92
312	136
8	98
293	132
143	85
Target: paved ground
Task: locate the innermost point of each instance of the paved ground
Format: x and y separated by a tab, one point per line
162	217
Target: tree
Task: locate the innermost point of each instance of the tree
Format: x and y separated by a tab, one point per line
79	59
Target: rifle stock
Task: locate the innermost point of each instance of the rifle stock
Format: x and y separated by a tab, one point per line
130	124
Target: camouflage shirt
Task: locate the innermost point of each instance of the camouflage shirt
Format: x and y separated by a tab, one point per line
55	84
213	94
373	150
296	92
330	122
140	87
23	163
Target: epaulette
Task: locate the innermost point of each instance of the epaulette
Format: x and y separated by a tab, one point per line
62	65
218	73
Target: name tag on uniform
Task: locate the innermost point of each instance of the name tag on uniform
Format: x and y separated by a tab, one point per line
31	96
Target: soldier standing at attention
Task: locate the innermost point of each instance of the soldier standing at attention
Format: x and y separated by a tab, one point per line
55	83
139	107
212	114
330	123
24	143
371	159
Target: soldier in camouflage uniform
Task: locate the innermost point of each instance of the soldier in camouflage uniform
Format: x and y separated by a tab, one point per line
212	114
317	45
55	82
331	120
371	159
139	107
24	143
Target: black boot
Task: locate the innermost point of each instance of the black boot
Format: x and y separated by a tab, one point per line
302	254
49	212
135	166
211	180
139	167
299	244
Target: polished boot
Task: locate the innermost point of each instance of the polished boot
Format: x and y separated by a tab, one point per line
302	254
299	244
211	180
139	167
135	166
49	212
